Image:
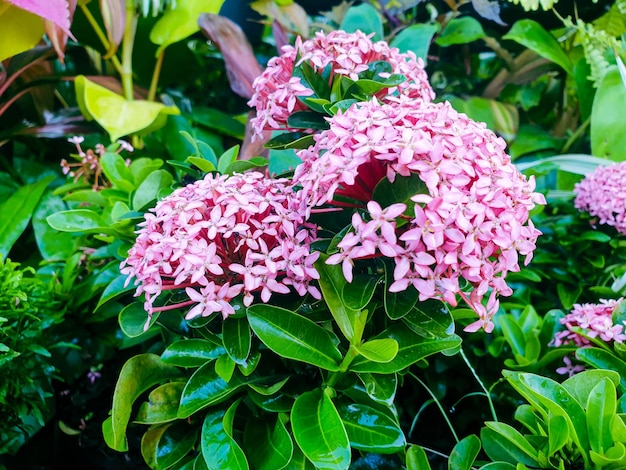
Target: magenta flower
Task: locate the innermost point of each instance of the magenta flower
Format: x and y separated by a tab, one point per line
221	237
602	194
346	54
590	321
469	220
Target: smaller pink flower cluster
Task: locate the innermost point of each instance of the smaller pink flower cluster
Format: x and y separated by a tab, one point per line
593	321
347	54
220	237
603	195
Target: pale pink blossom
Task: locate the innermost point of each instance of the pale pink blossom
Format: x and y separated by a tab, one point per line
569	369
468	219
336	53
220	237
602	194
590	321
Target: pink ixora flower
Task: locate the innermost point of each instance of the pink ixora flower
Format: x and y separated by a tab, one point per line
590	321
335	53
468	221
220	237
602	194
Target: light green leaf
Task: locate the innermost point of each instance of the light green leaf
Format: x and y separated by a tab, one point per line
601	406
601	359
416	458
319	431
608	130
461	30
162	404
133	319
117	172
464	453
79	220
503	442
21	31
379	350
431	319
416	38
51	243
151	189
371	430
363	17
294	336
380	387
580	385
357	294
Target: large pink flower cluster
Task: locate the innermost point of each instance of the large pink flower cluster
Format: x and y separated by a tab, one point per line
590	321
469	219
603	195
220	237
347	54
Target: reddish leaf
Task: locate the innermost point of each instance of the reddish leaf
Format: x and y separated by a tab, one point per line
58	37
114	18
57	11
241	65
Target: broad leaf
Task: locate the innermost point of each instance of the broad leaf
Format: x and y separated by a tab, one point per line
416	38
461	30
237	339
358	293
601	359
380	387
162	404
219	449
601	406
151	189
134	320
379	350
608	131
416	458
464	453
371	430
175	443
431	319
363	17
503	442
193	352
21	31
268	447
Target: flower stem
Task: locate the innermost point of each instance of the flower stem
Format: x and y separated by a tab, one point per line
438	403
127	50
487	394
103	39
343	367
155	75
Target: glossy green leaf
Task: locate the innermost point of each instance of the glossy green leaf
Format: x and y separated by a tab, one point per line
461	30
219	449
371	430
363	17
225	367
299	461
608	131
202	164
269	447
400	191
307	120
237	339
358	293
138	374
219	121
464	453
79	220
151	188
117	172
319	431
269	389
277	403
294	336
380	387
149	443
601	359
416	38
290	140
503	442
107	434
162	404
411	349
581	384
204	388
241	166
227	159
118	116
416	458
182	21
532	35
315	82
114	290
175	443
601	406
351	322
193	352
16	212
430	318
558	433
612	458
499	466
398	304
133	319
379	350
51	243
141	167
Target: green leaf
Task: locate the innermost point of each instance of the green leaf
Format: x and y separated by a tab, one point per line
600	412
580	385
237	339
363	17
114	290
319	431
205	388
416	458
614	456
227	159
430	318
503	442
351	322
400	191
379	350
219	449
79	220
558	433
202	164
294	336
151	189
16	212
358	293
133	319
398	304
412	348
416	38
21	31
290	140
464	453
117	172
225	367
51	243
182	21
315	82
461	30
608	131
175	443
370	430
533	36
219	121
601	359
268	447
118	116
241	166
149	443
162	404
139	374
193	352
307	120
380	387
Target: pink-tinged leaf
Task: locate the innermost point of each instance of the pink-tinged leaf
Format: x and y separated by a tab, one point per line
57	11
241	65
114	18
58	37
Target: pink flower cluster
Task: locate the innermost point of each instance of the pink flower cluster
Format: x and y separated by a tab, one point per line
603	195
220	237
469	217
590	321
347	54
